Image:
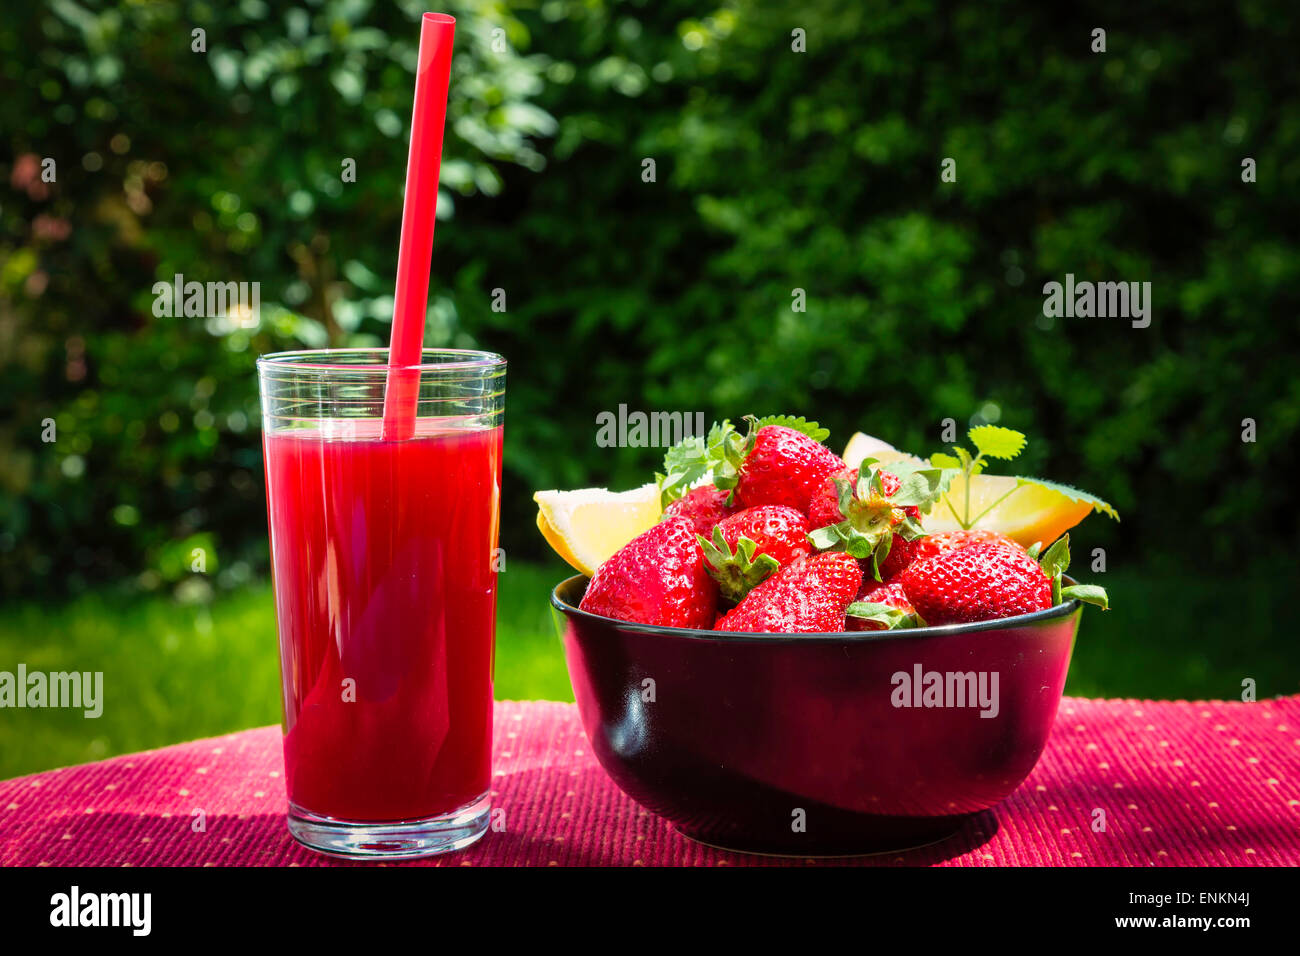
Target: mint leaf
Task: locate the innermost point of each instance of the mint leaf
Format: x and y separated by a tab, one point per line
798	423
695	459
684	464
991	441
1074	494
940	460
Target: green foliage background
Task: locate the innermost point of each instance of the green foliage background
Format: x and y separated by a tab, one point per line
775	171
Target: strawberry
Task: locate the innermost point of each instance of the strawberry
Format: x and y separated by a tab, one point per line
824	510
705	506
889	608
658	578
873	514
779	460
750	545
904	553
980	582
807	596
823	507
945	541
784	467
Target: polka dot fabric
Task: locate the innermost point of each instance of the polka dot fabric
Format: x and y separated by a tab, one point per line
1133	783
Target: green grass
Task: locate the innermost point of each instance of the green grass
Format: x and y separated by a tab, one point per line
1170	636
530	656
175	672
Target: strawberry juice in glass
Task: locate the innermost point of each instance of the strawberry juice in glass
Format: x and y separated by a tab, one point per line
384	558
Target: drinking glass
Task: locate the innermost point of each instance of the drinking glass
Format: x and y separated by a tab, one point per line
384	559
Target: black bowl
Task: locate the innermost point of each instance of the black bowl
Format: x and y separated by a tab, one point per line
817	744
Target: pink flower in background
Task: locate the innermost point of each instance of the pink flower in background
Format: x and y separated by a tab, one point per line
26	176
54	228
35	284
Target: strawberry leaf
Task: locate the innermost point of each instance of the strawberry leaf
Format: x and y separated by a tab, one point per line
859	545
920	487
880	554
844	537
844	492
893	618
992	441
825	539
910	529
1088	593
1074	494
929	489
799	424
1056	560
738	571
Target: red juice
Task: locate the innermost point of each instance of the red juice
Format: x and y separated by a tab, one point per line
383	555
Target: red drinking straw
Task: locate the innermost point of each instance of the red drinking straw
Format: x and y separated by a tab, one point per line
411	300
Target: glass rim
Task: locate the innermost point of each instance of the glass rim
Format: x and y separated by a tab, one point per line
318	360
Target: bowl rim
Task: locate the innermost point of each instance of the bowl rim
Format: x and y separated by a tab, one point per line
1063	610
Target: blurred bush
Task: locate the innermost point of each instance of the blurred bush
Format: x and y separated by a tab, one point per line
775	171
225	164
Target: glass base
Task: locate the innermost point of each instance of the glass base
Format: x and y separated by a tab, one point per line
403	840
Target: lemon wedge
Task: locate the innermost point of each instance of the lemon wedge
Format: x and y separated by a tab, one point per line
1028	514
587	525
862	446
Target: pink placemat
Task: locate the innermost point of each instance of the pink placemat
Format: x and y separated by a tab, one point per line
1180	783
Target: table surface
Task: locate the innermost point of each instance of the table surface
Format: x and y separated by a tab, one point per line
1180	783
